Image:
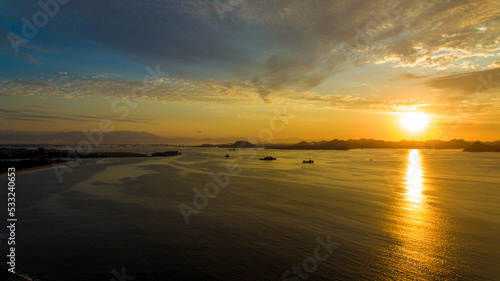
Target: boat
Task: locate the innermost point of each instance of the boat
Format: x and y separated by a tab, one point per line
232	149
227	155
268	158
308	161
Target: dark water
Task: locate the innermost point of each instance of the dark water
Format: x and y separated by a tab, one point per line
405	215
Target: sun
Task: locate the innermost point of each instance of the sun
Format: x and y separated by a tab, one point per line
414	121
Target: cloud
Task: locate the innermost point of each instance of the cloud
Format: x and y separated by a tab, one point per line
42	115
455	90
466	105
358	103
42	84
405	32
162	90
468	83
29	57
276	45
406	76
494	64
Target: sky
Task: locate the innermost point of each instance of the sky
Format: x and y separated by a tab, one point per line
313	70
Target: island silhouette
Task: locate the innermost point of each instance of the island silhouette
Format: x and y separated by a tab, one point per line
480	147
31	158
337	144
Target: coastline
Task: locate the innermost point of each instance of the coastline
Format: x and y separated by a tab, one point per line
34	169
26	166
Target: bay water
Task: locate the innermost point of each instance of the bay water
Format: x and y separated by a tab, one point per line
372	214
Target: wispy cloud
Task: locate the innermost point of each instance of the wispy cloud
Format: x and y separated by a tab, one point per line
37	84
458	90
494	64
29	57
278	45
407	76
161	90
469	82
43	115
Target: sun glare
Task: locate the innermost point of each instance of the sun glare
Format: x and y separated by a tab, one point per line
414	121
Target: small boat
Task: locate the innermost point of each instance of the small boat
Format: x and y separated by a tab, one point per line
232	149
308	161
227	155
268	158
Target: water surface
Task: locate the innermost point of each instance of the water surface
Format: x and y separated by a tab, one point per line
394	215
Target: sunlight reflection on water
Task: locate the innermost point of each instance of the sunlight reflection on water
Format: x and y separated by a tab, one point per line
414	179
420	227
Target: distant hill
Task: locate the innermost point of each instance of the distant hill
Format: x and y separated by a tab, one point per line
206	145
429	144
371	143
118	137
129	137
357	144
480	147
239	144
303	145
